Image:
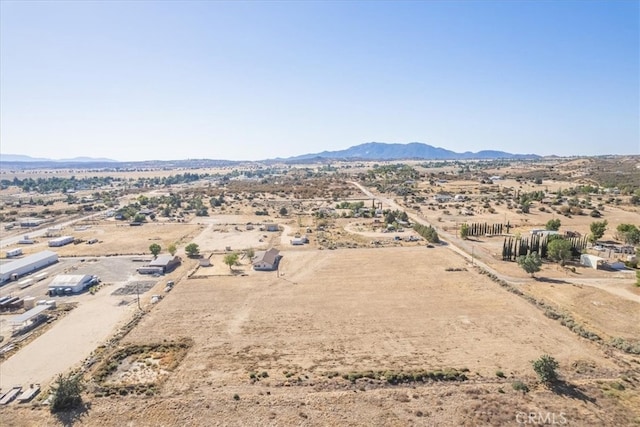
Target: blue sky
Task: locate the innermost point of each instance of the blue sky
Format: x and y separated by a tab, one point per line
167	80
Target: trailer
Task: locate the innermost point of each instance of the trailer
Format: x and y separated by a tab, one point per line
29	393
14	252
8	301
61	241
10	395
25	283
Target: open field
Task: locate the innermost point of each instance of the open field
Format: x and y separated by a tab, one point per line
403	313
317	342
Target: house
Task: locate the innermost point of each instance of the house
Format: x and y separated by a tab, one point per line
266	260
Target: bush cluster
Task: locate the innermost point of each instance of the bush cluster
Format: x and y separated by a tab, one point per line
403	377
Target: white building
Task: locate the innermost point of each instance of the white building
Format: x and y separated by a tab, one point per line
14	252
61	241
591	261
18	268
266	260
71	283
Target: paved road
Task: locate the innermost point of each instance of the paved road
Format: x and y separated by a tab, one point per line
466	250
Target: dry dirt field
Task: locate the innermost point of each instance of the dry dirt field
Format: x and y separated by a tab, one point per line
317	342
266	349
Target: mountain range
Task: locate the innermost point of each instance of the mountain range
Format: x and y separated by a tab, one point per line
368	151
413	150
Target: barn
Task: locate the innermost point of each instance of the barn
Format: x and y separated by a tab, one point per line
18	268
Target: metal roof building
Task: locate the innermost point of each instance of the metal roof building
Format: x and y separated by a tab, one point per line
18	268
166	262
75	282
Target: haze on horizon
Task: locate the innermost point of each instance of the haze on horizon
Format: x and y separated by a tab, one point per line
254	80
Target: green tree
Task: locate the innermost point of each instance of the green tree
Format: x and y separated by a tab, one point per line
172	249
283	211
250	253
597	230
559	250
192	250
531	263
155	249
629	233
231	260
464	231
553	224
545	367
139	218
67	392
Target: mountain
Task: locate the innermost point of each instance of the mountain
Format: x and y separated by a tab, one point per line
23	158
413	150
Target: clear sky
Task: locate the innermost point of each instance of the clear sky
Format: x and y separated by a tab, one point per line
145	80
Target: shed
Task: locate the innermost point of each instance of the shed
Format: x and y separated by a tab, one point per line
28	317
271	227
297	241
591	261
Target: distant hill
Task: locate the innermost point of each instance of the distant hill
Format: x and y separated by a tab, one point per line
413	150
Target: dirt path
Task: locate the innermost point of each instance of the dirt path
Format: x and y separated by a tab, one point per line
68	343
476	258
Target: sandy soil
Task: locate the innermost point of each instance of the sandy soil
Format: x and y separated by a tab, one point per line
72	340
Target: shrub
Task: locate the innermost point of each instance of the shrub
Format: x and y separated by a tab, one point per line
545	367
67	392
520	386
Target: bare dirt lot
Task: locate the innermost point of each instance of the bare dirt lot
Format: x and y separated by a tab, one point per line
323	317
